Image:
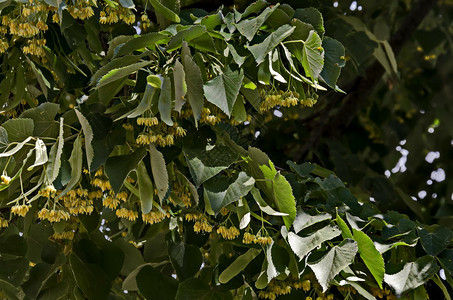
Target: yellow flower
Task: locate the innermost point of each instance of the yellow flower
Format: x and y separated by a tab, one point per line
5	179
154	217
127	214
202	226
306	285
20	210
3	223
248	238
228	233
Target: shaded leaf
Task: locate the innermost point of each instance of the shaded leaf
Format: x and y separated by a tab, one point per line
238	265
249	28
164	11
118	167
145	187
223	90
413	275
54	163
336	260
194	81
218	196
194	288
304	220
88	132
435	242
333	61
311	16
76	166
165	102
260	51
159	170
19	129
301	246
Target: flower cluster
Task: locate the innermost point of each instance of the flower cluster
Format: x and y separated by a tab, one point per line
5	179
277	288
228	233
383	293
65	235
20	210
281	98
78	201
54	215
249	238
111	15
125	213
3	223
155	216
158	133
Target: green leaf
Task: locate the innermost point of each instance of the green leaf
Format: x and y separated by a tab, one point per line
250	27
218	196
277	261
284	198
114	64
43	118
145	187
145	103
88	132
413	275
312	55
345	231
436	241
301	246
304	220
263	205
239	113
260	51
89	278
333	61
118	167
148	40
446	260
127	4
370	256
164	11
336	260
187	35
194	288
223	90
42	81
54	163
19	129
205	164
160	174
238	265
121	73
186	260
155	285
253	8
311	16
76	166
194	81
11	291
165	102
3	139
239	60
180	86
